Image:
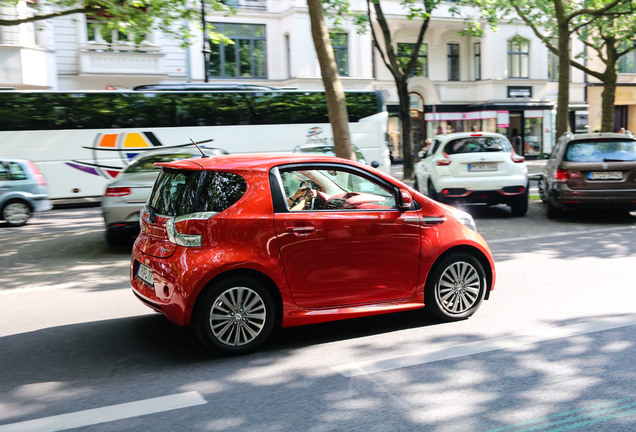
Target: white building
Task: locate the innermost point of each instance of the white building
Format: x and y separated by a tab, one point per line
503	82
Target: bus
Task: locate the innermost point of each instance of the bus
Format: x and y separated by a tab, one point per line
80	140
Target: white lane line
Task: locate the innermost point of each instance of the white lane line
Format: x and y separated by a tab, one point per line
108	414
561	234
422	357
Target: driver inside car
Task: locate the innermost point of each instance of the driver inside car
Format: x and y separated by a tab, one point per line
301	198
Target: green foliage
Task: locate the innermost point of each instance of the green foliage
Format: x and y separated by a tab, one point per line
136	17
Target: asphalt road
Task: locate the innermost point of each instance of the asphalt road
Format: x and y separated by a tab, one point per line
552	350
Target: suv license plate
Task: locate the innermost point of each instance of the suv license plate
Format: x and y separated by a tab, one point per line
145	274
482	167
605	175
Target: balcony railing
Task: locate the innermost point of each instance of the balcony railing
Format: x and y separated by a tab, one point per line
121	58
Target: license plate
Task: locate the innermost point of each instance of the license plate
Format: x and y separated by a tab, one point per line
605	175
482	167
145	274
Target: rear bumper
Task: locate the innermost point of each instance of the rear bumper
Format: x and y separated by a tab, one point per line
500	196
562	196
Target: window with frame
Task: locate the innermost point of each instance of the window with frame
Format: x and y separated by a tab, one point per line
518	53
553	66
335	190
477	53
452	54
98	32
404	53
245	58
339	43
627	63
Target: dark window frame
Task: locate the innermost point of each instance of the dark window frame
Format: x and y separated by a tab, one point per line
518	51
452	56
231	60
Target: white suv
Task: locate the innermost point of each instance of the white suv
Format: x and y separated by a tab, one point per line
474	168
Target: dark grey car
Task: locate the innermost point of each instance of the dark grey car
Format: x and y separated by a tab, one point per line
595	170
23	191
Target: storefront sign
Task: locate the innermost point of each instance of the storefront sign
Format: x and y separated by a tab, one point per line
503	119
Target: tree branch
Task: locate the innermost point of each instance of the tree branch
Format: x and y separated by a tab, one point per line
12	22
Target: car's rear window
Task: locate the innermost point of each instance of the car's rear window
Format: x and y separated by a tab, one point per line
477	144
601	151
181	192
146	163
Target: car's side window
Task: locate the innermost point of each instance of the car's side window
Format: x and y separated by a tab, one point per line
334	189
12	171
434	147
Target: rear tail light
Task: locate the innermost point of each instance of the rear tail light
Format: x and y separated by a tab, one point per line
39	178
117	191
562	175
445	161
516	158
187	230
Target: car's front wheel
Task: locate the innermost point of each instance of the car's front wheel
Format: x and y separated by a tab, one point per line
456	287
235	316
16	213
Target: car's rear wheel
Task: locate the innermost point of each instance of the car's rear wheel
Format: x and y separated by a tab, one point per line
519	207
431	191
16	213
542	193
456	287
235	316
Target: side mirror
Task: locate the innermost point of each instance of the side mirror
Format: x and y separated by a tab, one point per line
375	164
405	201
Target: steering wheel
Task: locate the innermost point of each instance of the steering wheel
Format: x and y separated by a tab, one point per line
307	185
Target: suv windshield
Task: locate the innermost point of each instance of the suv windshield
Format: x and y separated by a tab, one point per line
601	151
181	192
477	144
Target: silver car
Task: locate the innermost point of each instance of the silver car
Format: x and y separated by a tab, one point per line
23	191
126	194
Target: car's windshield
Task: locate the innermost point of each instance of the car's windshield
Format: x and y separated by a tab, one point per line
477	144
181	192
146	163
601	151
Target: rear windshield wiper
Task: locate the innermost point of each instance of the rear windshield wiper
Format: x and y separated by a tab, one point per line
618	160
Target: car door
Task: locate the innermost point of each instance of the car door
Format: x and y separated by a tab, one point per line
351	245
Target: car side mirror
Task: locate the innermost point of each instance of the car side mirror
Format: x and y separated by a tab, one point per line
406	200
375	164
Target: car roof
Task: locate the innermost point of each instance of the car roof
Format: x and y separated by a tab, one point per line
602	135
456	135
262	162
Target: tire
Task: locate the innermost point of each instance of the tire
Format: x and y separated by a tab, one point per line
541	187
431	191
519	207
455	288
234	316
16	213
416	185
553	212
116	238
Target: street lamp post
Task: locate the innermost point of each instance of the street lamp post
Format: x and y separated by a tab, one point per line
206	49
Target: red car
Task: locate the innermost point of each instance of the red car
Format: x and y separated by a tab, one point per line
234	245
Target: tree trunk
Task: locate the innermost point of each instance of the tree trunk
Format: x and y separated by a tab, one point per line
563	99
610	77
336	104
404	111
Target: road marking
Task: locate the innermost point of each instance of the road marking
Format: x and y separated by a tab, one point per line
108	414
561	234
422	357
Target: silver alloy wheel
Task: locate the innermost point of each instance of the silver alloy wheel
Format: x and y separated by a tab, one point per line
16	213
459	288
237	316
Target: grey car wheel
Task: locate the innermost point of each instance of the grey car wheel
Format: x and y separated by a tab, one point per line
16	213
235	316
456	287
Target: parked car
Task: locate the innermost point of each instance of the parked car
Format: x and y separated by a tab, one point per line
592	170
235	245
474	168
126	194
23	191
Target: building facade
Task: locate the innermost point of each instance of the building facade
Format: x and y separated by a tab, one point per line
504	82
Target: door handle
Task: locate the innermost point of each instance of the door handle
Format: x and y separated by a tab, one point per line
301	229
427	220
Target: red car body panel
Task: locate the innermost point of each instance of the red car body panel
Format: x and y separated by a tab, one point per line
382	262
